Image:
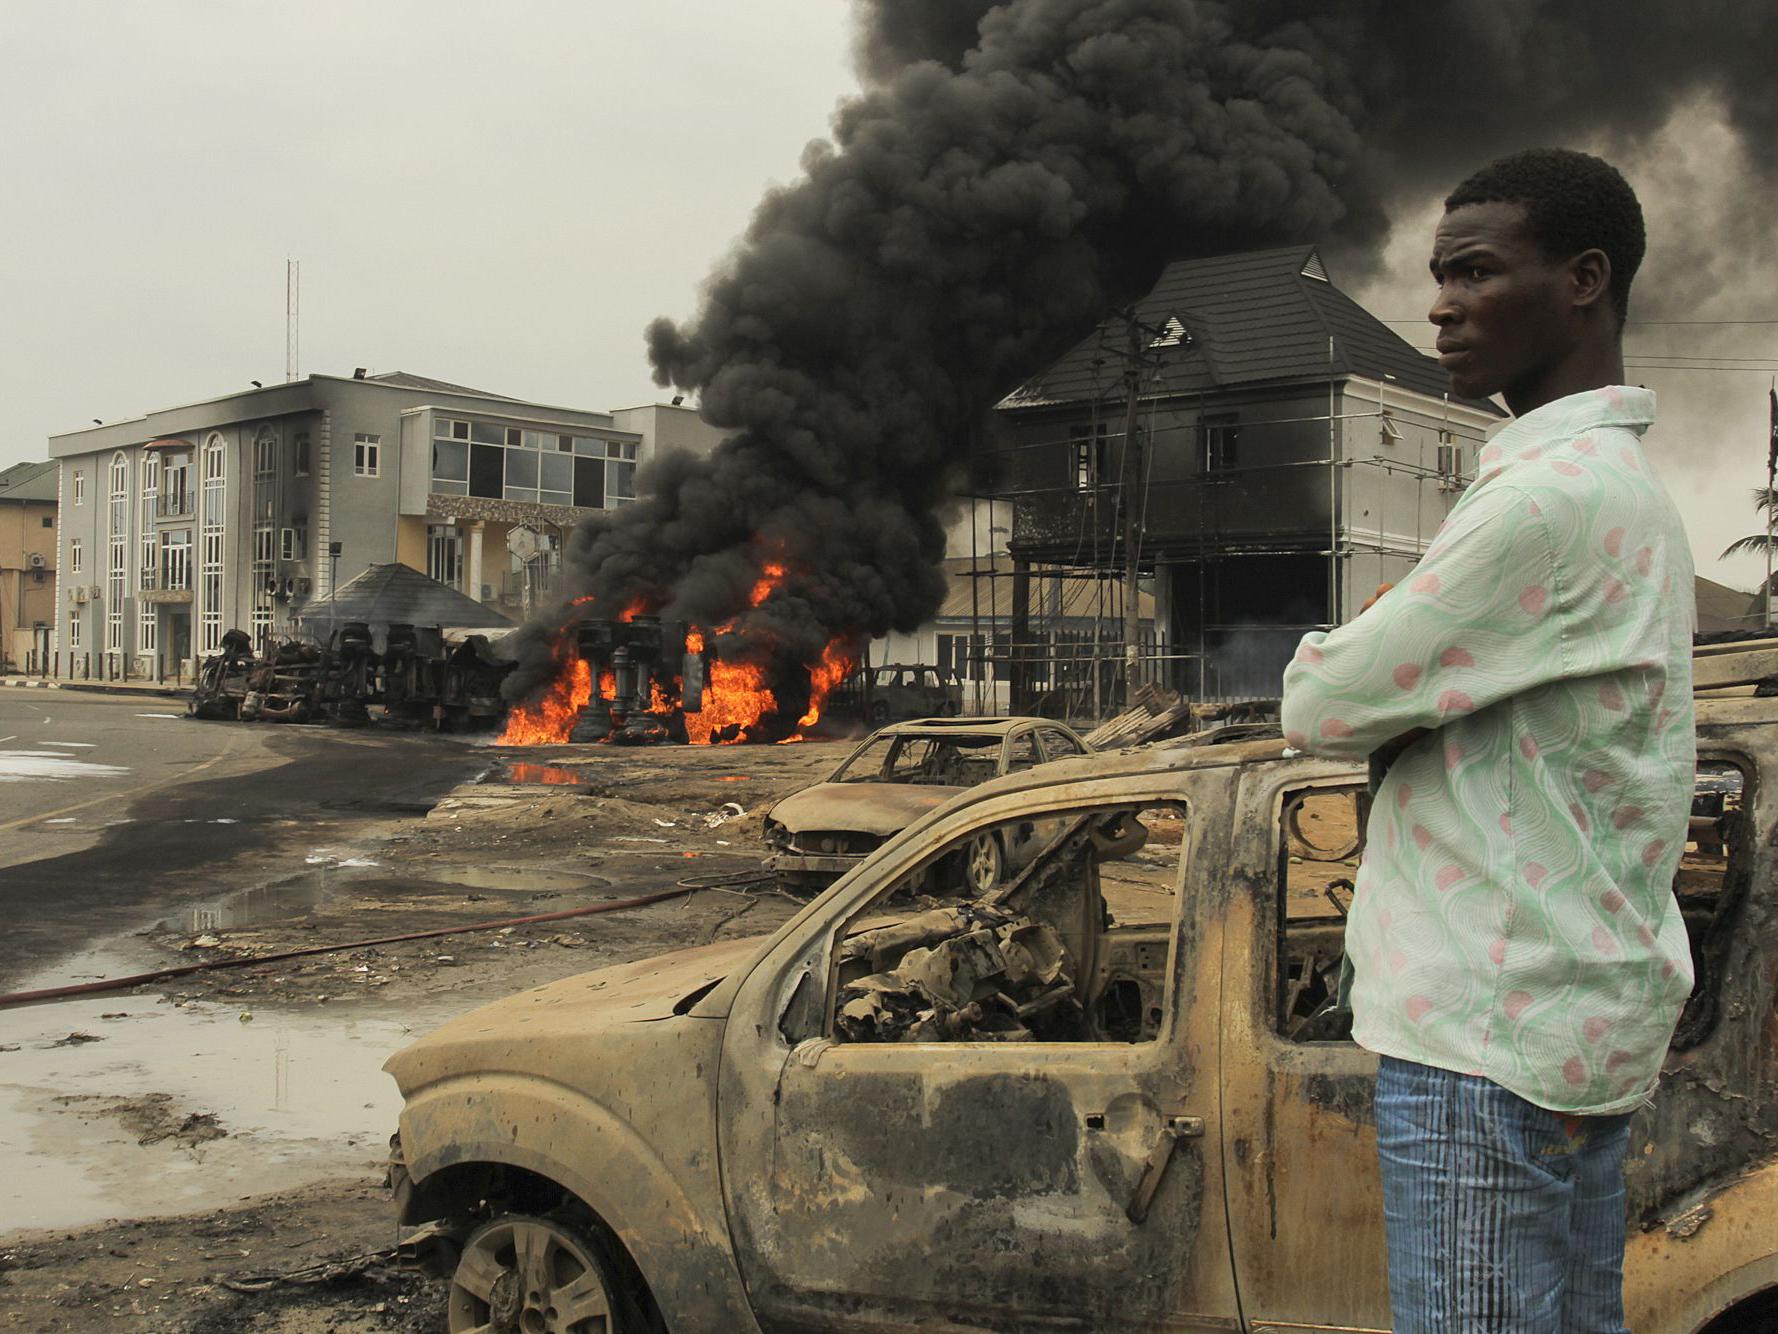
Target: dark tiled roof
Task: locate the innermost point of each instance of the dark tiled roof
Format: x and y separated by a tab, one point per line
404	380
400	595
1723	608
1249	319
32	480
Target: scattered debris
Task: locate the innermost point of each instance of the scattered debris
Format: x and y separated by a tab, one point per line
972	971
74	1040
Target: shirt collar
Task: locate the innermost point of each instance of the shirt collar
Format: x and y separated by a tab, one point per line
1562	420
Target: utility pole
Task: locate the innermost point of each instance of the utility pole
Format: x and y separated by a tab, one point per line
293	281
1132	491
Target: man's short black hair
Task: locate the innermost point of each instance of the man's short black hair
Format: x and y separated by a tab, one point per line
1574	202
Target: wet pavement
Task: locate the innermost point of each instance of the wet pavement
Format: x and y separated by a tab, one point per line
205	809
128	1106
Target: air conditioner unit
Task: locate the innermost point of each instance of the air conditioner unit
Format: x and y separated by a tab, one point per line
289	587
95	593
37	561
77	595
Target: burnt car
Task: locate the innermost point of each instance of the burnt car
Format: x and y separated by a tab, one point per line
899	691
897	775
1112	1093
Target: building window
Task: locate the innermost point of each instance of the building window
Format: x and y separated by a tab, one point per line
444	553
1450	458
293	544
265	535
367	455
472	458
299	454
74	629
1091	447
177	493
117	565
1222	441
176	558
211	546
79	487
76	562
620	473
49	521
148	555
151	495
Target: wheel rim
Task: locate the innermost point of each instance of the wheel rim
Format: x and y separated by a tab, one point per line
982	865
522	1275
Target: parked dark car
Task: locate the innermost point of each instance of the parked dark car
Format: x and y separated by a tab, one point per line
902	691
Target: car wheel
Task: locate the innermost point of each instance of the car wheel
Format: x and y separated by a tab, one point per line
535	1275
982	864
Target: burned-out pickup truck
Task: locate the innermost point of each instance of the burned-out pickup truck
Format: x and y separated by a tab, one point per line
1111	1092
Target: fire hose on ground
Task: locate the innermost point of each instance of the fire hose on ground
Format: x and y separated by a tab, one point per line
690	885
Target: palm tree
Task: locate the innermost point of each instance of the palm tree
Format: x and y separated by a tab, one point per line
1765	500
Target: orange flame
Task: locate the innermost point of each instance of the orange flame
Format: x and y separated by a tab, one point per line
735	696
769	579
549	721
835	666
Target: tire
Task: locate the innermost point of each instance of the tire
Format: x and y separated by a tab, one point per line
532	1273
982	864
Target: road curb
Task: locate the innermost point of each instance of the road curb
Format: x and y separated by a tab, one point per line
96	687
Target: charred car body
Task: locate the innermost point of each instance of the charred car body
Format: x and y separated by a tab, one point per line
419	677
1111	1094
894	777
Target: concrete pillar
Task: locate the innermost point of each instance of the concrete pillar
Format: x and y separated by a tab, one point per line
475	560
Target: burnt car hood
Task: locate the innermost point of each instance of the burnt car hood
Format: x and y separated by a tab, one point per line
866	808
503	1033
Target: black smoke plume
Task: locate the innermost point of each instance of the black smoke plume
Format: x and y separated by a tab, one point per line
1012	171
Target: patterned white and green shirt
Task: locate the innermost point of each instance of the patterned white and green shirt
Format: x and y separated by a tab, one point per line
1514	916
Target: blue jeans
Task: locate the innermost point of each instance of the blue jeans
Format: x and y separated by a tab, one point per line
1503	1218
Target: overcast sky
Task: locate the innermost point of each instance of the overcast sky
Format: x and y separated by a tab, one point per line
505	196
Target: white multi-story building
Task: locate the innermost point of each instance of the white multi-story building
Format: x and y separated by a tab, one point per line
234	512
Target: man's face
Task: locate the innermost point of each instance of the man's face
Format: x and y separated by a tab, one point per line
1504	310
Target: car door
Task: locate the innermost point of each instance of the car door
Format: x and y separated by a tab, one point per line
979	1184
1304	1191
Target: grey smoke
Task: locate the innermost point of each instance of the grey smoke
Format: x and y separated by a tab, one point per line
1011	172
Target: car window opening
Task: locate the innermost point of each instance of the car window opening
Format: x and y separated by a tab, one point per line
1054	928
1320	843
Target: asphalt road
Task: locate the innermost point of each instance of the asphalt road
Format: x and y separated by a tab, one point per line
112	812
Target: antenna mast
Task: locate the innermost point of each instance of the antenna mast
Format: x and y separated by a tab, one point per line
293	281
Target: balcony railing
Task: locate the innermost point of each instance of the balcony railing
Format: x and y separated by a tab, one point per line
176	506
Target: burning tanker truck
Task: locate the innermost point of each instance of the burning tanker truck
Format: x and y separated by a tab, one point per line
636	679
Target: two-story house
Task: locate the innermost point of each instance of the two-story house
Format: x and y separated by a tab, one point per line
235	511
1290	453
27	565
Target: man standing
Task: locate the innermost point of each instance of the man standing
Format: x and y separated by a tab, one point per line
1518	958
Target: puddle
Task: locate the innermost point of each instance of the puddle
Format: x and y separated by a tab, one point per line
24	766
297	1096
553	775
260	904
510	877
